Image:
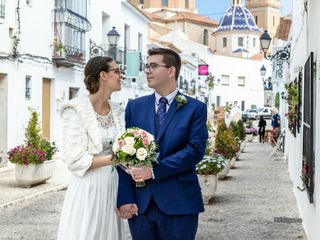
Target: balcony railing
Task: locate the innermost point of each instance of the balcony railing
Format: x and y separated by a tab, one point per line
68	56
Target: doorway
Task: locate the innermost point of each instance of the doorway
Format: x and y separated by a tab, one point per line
46	107
3	119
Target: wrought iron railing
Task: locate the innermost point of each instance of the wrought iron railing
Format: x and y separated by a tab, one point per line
69	36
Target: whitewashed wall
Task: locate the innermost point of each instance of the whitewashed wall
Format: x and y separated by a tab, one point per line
37	39
305	25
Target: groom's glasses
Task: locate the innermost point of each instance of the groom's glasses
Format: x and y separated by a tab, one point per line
153	66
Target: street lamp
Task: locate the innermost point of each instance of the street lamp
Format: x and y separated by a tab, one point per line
113	39
113	36
263	71
281	55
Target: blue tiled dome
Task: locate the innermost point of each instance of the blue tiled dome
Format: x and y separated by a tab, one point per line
237	17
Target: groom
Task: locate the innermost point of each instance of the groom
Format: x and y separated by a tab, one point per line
170	203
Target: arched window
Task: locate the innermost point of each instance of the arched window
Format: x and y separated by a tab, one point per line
224	42
256	18
164	3
205	37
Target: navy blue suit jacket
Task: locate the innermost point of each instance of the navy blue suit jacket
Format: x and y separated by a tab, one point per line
182	141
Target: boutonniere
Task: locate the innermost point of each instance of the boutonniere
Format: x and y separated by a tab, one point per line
182	100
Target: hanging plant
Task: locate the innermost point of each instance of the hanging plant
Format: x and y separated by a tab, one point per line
292	89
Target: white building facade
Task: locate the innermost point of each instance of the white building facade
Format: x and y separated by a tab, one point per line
44	46
302	142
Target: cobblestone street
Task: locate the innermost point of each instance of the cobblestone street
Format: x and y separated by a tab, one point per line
255	202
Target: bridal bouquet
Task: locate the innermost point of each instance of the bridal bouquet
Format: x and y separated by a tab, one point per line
135	147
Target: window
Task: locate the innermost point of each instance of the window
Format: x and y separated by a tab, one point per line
224	42
240	41
28	88
241	81
218	101
225	80
70	26
205	37
73	92
141	1
164	3
308	123
2	8
254	42
256	18
140	42
242	105
187	3
273	21
180	82
126	39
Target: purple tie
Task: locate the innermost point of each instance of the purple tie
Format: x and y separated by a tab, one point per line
162	111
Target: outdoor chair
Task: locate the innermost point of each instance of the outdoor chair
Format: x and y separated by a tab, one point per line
277	142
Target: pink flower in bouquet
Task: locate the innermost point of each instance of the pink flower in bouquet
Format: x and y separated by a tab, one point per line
143	134
146	141
135	133
135	147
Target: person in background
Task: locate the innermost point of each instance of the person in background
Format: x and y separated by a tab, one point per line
275	123
275	119
262	128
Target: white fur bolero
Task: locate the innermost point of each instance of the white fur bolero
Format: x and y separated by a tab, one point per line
81	134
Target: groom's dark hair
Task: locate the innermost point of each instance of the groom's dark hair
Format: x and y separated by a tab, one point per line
170	58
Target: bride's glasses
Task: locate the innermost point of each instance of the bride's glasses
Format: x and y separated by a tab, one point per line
116	70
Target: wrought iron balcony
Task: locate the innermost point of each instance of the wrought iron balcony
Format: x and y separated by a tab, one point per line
68	56
69	36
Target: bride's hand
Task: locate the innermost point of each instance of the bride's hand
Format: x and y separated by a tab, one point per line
127	211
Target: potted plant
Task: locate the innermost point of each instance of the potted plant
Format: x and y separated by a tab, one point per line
33	159
224	146
58	48
208	170
250	131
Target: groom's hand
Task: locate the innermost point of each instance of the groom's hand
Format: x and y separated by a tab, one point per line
141	173
127	211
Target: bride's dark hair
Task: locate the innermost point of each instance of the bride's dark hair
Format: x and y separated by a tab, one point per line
92	72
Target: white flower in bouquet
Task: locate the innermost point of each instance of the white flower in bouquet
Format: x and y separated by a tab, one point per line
129	140
129	149
142	154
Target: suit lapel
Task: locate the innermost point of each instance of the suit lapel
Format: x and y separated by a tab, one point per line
151	114
171	112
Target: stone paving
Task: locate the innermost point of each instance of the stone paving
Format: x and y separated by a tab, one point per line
255	202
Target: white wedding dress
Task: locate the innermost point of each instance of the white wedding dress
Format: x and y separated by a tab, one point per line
88	211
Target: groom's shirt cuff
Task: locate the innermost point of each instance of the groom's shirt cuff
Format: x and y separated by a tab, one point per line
152	174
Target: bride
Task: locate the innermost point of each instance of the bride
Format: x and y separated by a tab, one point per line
90	124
